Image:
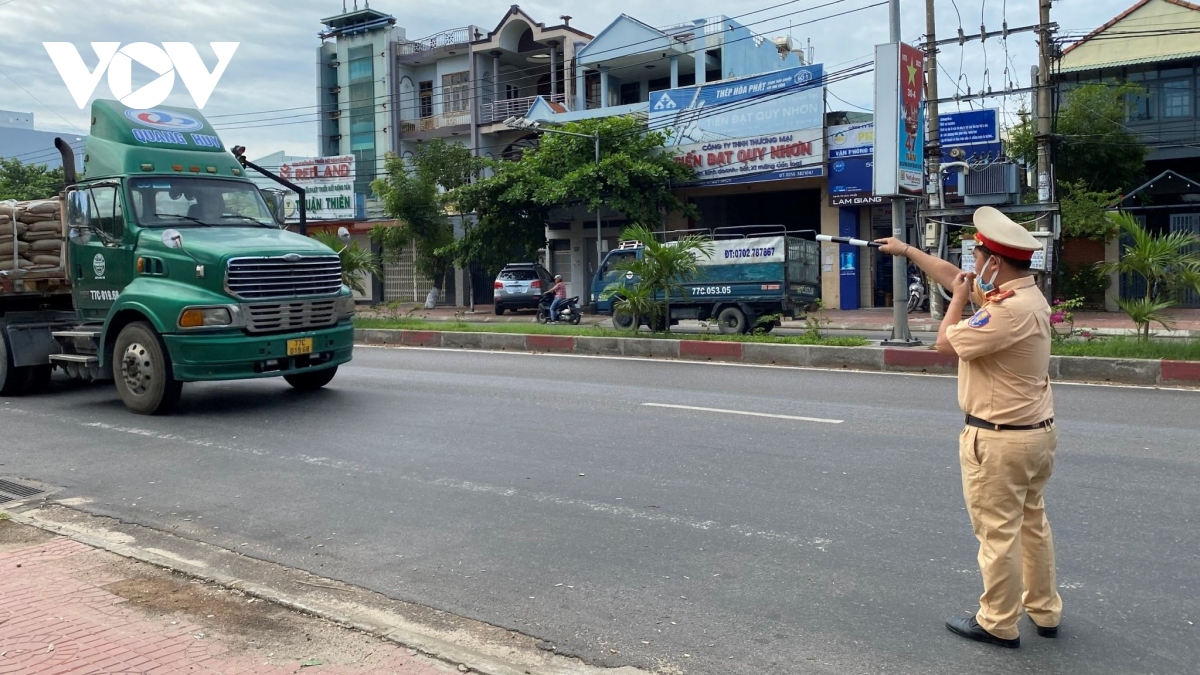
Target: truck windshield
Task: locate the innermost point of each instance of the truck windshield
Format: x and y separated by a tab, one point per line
174	201
611	269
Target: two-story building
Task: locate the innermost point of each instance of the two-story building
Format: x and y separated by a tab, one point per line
1156	45
759	158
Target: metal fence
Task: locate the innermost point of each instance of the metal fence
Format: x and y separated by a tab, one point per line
402	282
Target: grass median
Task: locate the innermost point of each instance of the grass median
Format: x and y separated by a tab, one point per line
1129	348
596	331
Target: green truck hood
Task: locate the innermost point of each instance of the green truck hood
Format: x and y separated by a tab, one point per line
216	244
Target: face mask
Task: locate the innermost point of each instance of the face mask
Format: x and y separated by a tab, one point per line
990	284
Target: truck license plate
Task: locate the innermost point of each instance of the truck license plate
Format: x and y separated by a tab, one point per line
299	346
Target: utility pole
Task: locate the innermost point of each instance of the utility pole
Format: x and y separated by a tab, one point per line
1045	172
1044	184
901	335
933	149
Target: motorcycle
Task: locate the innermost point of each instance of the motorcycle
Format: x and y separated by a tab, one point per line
568	310
916	292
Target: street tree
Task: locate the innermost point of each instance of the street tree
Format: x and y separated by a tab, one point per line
1168	263
420	193
1092	143
28	181
634	177
662	270
358	264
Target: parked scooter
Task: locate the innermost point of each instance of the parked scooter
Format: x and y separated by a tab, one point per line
917	298
568	310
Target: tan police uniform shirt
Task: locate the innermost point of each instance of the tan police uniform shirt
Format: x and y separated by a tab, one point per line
1004	352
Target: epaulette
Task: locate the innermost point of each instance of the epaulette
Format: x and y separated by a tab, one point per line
997	296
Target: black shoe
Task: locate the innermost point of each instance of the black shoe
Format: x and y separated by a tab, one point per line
1046	632
970	629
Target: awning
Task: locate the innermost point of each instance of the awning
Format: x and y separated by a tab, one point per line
1129	62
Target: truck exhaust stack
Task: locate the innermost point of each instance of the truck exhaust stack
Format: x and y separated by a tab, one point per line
68	159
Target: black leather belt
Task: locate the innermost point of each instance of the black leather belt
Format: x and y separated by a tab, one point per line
984	424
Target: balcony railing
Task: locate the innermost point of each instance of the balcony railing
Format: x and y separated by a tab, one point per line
435	122
454	36
513	107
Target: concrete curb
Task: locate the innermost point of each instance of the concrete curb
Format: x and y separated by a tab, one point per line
1146	372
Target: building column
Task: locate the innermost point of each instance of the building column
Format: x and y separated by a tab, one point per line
553	70
580	87
495	76
674	72
603	86
701	66
831	277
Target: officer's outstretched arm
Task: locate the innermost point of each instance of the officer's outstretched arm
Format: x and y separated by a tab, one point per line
939	270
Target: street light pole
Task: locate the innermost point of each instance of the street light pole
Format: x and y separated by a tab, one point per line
531	125
900	332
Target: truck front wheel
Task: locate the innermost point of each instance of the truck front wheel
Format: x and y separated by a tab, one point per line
142	371
732	321
624	319
311	381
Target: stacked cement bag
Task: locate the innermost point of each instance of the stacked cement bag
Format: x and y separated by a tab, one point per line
31	235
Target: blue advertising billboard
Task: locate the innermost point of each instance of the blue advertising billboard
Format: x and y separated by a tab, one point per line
975	132
851	165
760	128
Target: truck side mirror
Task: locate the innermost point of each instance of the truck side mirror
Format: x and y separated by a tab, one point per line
79	216
275	202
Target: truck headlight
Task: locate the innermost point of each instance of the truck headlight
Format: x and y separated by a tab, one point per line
344	307
205	317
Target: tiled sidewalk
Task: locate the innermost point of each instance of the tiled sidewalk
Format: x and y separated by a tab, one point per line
57	618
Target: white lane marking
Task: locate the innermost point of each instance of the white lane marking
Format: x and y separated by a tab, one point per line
722	364
819	543
744	412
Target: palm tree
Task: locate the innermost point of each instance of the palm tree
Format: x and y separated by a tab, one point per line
357	262
1170	260
662	269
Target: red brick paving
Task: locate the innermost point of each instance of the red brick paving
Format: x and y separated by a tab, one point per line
51	623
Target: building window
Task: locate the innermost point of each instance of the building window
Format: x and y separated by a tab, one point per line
425	99
1177	98
511	91
455	92
631	92
1143	106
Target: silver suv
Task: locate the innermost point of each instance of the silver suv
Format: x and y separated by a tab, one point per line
520	286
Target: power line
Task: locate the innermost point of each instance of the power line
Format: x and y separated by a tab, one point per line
477	90
40	100
537	71
847	102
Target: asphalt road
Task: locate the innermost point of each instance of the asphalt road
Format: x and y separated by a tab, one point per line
540	493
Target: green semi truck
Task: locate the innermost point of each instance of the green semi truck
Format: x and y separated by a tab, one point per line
163	264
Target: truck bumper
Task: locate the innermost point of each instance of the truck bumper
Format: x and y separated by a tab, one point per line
237	356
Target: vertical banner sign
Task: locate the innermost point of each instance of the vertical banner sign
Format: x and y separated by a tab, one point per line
899	124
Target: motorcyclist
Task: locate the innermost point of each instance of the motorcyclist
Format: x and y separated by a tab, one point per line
560	295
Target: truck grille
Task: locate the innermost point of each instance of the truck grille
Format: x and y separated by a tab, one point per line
261	278
290	316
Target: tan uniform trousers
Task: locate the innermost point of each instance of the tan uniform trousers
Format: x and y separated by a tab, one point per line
1003	475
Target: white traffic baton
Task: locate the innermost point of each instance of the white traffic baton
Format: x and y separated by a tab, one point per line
848	240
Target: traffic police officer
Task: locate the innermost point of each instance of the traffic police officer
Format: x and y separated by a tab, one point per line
1006	449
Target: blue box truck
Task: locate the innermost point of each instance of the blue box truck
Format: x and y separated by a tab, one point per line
746	278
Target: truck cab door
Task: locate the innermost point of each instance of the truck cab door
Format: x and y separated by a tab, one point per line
102	263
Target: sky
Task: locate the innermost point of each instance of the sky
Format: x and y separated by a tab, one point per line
274	65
